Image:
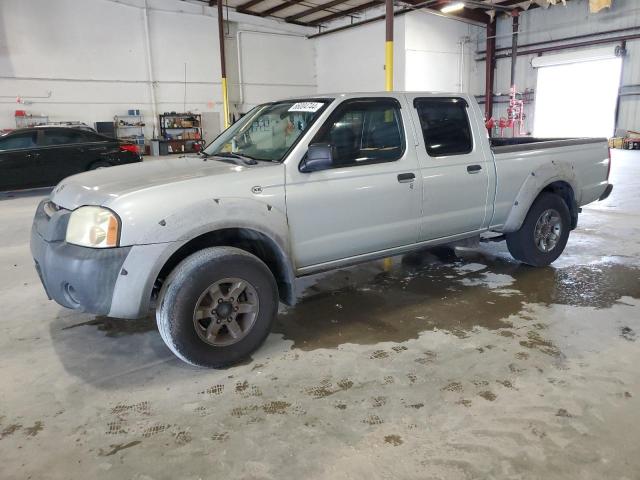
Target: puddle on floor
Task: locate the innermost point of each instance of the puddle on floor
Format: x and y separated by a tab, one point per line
427	291
117	327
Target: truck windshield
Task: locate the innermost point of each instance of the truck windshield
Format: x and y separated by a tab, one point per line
268	131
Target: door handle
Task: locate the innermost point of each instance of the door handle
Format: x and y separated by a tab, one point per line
406	177
473	168
33	155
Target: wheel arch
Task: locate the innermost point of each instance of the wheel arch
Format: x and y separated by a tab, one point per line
556	177
566	192
248	239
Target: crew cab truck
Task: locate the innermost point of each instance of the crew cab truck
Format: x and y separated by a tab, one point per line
214	241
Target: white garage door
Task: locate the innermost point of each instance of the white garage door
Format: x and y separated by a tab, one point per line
576	94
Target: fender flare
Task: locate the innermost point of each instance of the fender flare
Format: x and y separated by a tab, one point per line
257	216
536	182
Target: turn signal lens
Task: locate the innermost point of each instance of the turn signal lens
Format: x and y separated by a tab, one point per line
95	227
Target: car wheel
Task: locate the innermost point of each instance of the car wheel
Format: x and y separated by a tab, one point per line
217	307
99	164
544	232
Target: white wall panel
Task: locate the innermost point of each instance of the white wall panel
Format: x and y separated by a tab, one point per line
276	66
427	55
435	58
353	60
91	56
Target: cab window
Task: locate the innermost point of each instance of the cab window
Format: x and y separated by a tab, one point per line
445	126
364	131
19	141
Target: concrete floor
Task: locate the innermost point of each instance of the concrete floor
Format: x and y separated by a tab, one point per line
443	368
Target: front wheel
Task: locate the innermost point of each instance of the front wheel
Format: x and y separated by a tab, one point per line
544	232
217	307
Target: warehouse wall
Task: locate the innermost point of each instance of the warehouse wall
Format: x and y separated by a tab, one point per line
427	54
273	65
439	53
87	60
353	60
556	23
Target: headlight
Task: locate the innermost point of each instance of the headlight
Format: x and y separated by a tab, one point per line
95	227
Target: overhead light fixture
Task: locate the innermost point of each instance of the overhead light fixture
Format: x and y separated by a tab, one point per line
452	7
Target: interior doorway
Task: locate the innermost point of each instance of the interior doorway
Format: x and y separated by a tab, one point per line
577	99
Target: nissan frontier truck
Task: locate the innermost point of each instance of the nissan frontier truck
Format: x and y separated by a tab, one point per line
214	241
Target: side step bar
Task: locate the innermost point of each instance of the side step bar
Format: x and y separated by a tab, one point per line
497	237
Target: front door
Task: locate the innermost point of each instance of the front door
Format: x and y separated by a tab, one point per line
369	199
453	167
19	167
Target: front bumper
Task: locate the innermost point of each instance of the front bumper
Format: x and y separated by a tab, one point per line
76	277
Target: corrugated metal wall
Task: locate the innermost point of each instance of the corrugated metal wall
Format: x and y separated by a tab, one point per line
559	22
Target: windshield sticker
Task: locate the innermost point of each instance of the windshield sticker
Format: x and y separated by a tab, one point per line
306	107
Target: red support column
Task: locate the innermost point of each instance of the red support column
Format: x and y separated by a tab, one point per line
490	63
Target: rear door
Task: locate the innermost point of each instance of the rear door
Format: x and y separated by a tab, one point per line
455	173
368	201
19	162
62	152
94	147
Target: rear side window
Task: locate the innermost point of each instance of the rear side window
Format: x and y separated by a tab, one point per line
18	141
85	136
445	126
364	131
62	137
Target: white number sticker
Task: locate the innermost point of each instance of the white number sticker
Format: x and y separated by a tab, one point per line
306	107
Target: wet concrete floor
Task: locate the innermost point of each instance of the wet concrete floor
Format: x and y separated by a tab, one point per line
447	366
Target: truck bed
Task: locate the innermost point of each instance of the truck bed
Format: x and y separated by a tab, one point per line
582	162
522	144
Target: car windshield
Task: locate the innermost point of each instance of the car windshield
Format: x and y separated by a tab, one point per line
268	131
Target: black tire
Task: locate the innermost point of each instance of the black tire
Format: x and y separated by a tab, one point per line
99	164
522	244
185	285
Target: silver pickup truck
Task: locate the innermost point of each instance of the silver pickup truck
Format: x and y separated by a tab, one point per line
215	240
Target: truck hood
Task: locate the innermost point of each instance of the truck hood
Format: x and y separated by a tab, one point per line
103	186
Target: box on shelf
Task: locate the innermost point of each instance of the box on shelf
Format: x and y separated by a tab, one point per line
616	142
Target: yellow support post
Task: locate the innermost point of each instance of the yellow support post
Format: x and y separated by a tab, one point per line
388	47
388	65
223	67
387	263
225	102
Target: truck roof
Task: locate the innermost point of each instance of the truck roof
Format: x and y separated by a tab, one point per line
381	93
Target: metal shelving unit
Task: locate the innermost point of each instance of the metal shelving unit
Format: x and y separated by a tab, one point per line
130	128
182	132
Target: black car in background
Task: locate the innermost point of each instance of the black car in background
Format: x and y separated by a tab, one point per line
42	156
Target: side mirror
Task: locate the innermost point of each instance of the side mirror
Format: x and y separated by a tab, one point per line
319	157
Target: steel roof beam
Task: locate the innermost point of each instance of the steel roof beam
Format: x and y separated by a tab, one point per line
246	6
277	8
346	13
313	10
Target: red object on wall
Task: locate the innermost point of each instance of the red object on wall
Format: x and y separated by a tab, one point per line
489	124
21	113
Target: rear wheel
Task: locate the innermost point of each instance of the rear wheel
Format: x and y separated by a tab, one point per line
217	306
544	232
